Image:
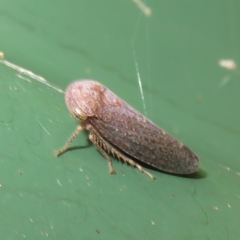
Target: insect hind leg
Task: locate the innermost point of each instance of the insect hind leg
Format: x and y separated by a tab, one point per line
105	148
134	164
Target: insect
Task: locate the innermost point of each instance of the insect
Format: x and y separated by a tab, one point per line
117	129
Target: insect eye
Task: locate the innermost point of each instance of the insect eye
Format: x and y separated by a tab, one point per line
77	113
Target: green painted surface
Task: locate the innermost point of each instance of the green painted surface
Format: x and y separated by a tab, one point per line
176	52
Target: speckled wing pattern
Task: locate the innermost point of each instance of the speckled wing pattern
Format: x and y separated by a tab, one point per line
135	135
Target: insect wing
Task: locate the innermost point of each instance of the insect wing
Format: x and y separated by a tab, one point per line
132	133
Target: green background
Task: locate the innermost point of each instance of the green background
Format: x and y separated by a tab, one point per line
174	54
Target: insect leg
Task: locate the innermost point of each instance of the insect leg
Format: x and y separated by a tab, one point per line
134	164
69	142
102	151
101	143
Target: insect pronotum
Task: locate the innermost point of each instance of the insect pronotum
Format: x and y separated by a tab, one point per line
117	129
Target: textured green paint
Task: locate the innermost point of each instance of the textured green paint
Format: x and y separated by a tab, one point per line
176	50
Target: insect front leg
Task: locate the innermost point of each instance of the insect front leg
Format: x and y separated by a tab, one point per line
69	142
99	147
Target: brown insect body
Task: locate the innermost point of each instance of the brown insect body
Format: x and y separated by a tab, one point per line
115	127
